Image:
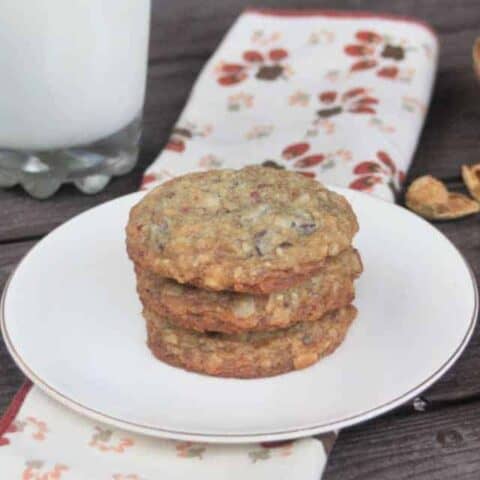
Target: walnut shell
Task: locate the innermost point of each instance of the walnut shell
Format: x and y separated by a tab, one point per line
430	198
471	178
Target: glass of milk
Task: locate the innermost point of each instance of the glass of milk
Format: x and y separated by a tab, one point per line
72	88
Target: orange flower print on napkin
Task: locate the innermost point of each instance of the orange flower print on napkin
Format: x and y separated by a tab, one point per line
270	65
414	105
103	440
210	161
306	161
35	470
302	157
380	170
267	450
299	98
11	429
358	101
190	450
182	134
380	52
239	101
37	428
355	100
149	179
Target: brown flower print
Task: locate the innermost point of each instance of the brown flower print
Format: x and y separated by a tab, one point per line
259	131
304	161
381	170
210	161
190	450
283	449
147	180
37	428
302	158
257	455
179	136
299	98
103	440
414	105
355	100
182	134
374	51
35	470
263	66
239	101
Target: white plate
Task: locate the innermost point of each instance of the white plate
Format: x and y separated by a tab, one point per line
71	320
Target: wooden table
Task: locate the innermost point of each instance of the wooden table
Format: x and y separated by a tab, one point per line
439	439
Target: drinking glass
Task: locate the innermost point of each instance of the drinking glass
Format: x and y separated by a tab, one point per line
72	88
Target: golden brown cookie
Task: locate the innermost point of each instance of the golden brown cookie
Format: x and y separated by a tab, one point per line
255	230
248	355
231	312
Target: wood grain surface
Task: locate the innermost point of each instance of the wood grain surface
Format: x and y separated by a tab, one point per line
440	438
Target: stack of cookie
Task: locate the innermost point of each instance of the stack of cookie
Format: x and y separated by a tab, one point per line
244	273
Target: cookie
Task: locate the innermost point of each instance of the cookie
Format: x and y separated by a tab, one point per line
248	355
255	230
231	312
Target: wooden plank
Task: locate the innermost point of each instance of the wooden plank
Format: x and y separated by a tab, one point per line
10	376
438	445
10	256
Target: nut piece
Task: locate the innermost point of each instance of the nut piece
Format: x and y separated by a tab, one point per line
471	178
430	198
244	306
304	360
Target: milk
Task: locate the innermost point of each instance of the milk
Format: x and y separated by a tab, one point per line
71	71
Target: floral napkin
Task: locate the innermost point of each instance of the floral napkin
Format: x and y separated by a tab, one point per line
337	96
333	95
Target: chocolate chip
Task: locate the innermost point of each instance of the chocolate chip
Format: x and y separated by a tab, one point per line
329	112
255	196
306	228
212	334
162	226
260	245
183	132
307	339
157	232
392	51
272	164
269	72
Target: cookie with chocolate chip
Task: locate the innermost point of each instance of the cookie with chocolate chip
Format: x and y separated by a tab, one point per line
255	230
232	312
248	355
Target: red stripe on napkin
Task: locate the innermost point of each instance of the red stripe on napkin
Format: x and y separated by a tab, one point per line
15	405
